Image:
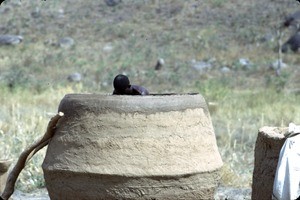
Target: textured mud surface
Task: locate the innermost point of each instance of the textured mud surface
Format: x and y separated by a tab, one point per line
268	145
125	147
222	193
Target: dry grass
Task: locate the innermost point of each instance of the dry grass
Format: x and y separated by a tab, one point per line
24	117
33	74
240	115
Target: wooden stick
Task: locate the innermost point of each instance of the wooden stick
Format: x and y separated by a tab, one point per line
279	64
27	154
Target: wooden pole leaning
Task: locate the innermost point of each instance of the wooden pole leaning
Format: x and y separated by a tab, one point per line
27	154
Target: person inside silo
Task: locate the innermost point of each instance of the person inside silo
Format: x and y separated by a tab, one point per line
122	86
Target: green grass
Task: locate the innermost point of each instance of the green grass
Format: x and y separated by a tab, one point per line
33	74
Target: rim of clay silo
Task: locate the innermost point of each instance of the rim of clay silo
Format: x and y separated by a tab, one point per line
147	104
151	94
273	132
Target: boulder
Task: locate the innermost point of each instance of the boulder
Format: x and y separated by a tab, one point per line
112	2
10	39
293	44
66	42
292	19
74	77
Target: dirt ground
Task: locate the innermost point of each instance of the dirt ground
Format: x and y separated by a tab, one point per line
222	193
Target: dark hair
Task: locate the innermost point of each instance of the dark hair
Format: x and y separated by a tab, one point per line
121	82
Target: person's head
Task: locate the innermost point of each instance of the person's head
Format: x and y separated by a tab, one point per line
121	82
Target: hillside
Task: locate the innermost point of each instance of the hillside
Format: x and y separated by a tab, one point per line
131	36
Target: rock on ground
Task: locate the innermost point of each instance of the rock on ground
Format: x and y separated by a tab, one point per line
40	194
228	193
